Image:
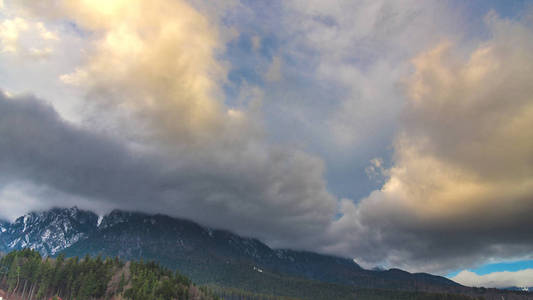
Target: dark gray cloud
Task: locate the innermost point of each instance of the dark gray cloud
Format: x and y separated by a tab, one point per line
274	193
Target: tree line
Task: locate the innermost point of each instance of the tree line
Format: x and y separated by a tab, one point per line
30	276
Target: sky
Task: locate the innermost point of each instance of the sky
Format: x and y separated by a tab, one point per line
396	133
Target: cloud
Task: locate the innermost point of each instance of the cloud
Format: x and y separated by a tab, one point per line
274	70
256	42
45	33
360	47
158	134
154	60
158	137
342	64
9	33
260	191
40	53
461	186
522	278
23	37
376	170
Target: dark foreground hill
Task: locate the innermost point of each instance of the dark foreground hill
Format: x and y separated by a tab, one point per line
25	274
216	258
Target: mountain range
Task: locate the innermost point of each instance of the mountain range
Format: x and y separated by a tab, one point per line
208	256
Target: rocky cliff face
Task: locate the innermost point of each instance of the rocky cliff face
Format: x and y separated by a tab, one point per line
49	232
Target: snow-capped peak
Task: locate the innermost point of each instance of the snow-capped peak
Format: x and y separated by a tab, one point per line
50	231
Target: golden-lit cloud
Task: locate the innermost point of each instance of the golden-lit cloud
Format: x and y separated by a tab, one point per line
155	59
9	33
24	37
463	161
467	142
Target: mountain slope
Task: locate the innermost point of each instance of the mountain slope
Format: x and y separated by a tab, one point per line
4	226
48	232
207	256
99	279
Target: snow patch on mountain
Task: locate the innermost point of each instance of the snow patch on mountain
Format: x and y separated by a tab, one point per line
49	232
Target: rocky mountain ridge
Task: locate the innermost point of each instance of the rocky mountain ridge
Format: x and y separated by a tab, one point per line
48	232
206	255
182	244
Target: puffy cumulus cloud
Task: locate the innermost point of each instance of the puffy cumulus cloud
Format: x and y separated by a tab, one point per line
22	37
151	74
153	59
522	278
460	190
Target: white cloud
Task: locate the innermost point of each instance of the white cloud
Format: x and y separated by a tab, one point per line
40	53
10	30
45	33
24	37
521	278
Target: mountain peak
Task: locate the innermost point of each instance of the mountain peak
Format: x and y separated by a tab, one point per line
204	254
48	231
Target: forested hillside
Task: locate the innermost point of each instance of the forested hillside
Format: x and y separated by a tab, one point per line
25	274
233	267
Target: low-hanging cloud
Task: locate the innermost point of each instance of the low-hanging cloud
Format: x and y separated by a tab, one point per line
151	72
260	193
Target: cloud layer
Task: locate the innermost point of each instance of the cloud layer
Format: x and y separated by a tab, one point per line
522	279
156	131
